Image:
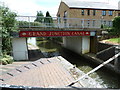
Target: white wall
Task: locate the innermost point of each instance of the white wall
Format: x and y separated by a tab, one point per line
20	51
73	43
85	44
80	45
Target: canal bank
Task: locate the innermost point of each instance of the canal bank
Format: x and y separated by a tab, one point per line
105	52
103	76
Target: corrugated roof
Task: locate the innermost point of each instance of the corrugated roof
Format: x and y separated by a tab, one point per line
88	4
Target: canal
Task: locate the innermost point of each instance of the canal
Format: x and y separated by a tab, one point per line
105	77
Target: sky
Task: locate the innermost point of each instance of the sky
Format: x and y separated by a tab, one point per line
30	7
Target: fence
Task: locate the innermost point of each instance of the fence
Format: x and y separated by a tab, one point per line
57	22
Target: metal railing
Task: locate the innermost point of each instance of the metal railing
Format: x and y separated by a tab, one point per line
58	22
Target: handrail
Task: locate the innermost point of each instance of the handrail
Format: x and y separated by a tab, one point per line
95	69
60	22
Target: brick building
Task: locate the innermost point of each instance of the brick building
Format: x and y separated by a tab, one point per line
86	14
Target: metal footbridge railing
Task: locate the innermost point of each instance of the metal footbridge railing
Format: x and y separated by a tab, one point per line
61	23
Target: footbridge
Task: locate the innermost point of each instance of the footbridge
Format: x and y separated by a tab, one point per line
79	35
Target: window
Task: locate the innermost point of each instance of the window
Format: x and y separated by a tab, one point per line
94	12
118	14
103	13
59	19
65	14
93	23
88	23
110	23
104	22
110	13
82	12
65	19
88	13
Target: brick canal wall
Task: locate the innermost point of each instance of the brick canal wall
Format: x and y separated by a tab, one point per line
103	46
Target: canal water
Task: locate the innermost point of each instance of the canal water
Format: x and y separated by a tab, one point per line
106	78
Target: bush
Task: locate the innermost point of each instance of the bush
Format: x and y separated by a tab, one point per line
116	26
3	61
39	39
6	60
26	24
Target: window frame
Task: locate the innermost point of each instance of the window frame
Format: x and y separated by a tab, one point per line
118	14
94	12
88	12
93	24
65	14
82	12
110	23
110	13
104	13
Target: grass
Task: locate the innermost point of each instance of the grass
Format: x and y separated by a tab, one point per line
115	40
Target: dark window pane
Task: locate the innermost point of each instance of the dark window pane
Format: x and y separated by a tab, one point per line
94	12
88	12
82	12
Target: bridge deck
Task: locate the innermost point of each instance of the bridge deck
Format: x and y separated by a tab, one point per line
55	72
42	73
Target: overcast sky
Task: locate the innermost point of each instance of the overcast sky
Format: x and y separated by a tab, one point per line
30	7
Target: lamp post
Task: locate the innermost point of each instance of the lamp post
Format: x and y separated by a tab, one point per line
101	21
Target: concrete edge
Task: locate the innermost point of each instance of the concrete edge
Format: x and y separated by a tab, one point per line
77	73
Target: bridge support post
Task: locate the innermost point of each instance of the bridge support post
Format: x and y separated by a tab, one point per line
85	44
20	50
93	44
80	45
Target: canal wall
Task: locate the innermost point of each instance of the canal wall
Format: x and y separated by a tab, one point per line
103	46
109	66
106	51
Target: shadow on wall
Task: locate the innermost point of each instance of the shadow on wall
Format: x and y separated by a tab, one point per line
35	54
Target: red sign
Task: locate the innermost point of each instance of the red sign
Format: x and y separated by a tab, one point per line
53	33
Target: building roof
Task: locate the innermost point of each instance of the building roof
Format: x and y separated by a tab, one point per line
88	4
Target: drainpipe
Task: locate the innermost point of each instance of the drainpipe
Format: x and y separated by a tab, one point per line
27	52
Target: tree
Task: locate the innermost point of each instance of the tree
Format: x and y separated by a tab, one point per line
48	19
40	17
116	26
8	26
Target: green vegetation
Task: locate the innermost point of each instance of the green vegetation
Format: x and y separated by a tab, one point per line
48	19
6	60
116	27
8	26
8	23
105	26
58	39
39	38
26	24
115	40
40	17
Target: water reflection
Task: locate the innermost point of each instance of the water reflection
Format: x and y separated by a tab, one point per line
103	76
